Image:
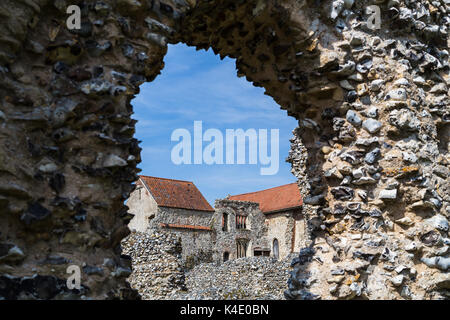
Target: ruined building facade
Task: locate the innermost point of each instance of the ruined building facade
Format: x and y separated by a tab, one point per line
281	208
371	153
240	230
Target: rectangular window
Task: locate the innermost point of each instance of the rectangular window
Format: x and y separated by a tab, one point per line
225	222
241	222
261	252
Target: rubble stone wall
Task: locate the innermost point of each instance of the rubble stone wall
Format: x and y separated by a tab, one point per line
157	264
159	273
375	178
250	278
370	153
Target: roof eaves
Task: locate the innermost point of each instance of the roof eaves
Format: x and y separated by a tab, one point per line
174	207
282	209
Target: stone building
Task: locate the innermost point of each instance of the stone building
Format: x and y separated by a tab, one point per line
240	230
175	206
262	223
281	208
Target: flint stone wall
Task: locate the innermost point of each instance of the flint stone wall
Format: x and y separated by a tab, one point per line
250	278
371	151
157	264
159	273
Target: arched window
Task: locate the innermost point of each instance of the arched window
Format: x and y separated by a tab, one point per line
276	250
241	248
226	256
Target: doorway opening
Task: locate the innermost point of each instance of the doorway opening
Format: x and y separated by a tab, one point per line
226	256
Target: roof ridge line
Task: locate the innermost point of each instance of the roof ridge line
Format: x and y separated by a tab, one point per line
141	175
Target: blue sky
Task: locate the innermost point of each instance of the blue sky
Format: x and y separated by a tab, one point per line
198	86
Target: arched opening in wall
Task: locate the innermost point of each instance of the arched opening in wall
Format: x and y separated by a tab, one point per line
189	121
275	249
205	134
241	248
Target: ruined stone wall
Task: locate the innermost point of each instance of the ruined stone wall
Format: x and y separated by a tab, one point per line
371	151
159	273
157	264
68	157
376	175
255	233
250	278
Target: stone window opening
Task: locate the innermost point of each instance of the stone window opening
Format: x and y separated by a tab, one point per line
241	222
276	250
225	222
226	256
257	252
241	248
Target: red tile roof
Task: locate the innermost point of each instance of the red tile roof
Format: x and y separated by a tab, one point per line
274	199
176	194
